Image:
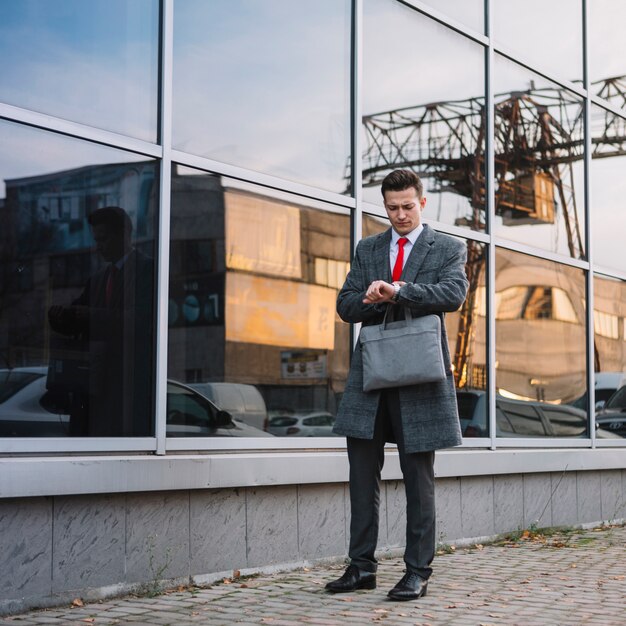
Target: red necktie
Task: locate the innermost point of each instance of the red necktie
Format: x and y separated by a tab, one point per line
108	290
397	268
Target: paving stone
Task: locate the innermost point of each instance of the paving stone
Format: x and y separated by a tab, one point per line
531	583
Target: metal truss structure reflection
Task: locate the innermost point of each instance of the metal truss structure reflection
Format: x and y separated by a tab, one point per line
539	134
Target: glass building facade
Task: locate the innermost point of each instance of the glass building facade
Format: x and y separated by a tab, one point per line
245	143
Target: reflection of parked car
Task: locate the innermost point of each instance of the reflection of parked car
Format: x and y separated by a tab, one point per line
27	409
473	412
518	418
311	424
606	384
612	418
244	402
190	414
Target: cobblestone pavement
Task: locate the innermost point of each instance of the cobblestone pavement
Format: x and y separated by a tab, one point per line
561	580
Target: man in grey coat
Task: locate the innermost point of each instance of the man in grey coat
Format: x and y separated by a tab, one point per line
408	265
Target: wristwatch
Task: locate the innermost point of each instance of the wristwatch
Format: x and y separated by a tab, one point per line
396	293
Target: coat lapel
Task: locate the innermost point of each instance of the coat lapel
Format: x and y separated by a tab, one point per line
418	254
381	256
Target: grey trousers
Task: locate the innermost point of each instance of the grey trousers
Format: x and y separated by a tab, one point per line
366	458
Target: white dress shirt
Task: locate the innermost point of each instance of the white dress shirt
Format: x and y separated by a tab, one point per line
408	246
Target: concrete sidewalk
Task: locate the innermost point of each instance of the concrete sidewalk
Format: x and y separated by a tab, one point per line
559	580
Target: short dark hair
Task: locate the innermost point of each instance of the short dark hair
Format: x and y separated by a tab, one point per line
113	216
399	180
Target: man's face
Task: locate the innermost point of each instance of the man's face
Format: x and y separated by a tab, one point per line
404	209
109	243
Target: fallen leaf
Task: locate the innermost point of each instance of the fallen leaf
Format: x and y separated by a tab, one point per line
243	586
479	546
346	599
77	602
306	569
620	577
236	573
227	581
181	588
573	565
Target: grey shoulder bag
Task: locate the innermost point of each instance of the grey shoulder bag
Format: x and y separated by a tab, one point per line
406	352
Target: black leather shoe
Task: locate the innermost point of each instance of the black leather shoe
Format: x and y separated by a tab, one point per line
411	587
353	578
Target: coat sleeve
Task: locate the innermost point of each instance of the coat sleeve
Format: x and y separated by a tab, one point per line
350	299
448	293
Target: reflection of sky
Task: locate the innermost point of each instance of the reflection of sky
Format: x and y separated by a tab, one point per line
409	60
30	152
396	36
548	34
607	44
92	62
608	191
265	85
468	12
507	77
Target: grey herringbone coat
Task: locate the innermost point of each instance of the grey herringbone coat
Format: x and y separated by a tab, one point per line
436	283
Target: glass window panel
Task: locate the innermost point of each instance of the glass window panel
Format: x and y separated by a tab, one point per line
540	347
424	111
608	187
607	50
539	187
252	322
255	87
92	62
468	12
533	27
609	295
76	300
467	337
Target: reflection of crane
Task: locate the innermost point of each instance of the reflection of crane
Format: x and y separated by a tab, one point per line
538	136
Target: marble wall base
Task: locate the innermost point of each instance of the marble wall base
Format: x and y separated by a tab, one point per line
57	548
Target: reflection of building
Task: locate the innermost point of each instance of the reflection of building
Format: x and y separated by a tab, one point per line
253	290
253	285
540	311
47	244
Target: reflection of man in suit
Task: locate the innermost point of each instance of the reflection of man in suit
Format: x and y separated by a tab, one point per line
112	318
409	265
